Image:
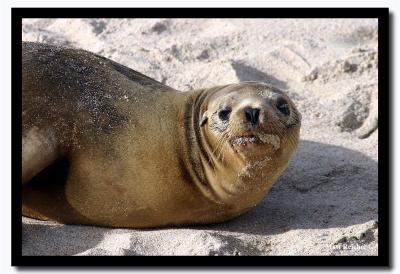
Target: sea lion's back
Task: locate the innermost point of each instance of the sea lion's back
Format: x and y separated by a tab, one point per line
57	81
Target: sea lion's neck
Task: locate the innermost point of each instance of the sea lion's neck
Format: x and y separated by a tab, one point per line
194	153
204	168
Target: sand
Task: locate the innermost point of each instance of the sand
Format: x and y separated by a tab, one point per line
326	201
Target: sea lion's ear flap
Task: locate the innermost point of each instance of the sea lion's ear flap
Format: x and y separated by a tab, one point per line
203	119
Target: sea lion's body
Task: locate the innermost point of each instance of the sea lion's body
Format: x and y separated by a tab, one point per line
127	151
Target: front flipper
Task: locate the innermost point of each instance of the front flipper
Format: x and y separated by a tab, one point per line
39	149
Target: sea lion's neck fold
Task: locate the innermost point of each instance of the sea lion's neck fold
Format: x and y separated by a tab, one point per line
198	154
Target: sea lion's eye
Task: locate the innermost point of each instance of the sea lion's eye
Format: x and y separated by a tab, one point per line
223	114
283	106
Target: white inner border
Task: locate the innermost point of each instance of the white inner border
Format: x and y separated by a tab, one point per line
5	110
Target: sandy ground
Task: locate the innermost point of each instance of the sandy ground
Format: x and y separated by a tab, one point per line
325	203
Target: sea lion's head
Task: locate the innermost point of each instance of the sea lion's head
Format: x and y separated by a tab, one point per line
253	126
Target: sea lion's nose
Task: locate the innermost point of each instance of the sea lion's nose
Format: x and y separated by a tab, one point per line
252	115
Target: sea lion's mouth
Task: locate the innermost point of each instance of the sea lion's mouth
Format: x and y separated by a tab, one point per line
244	140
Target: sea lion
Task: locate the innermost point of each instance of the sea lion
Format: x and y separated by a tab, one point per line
105	145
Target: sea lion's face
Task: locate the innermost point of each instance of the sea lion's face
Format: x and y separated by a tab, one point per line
252	121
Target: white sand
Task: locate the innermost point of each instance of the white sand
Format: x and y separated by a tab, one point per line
326	201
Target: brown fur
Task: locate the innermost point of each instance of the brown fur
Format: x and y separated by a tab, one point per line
133	152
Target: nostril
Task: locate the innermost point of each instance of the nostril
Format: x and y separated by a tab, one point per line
252	115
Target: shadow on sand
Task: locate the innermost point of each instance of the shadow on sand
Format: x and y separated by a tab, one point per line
325	186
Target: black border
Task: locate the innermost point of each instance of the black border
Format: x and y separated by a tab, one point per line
382	14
